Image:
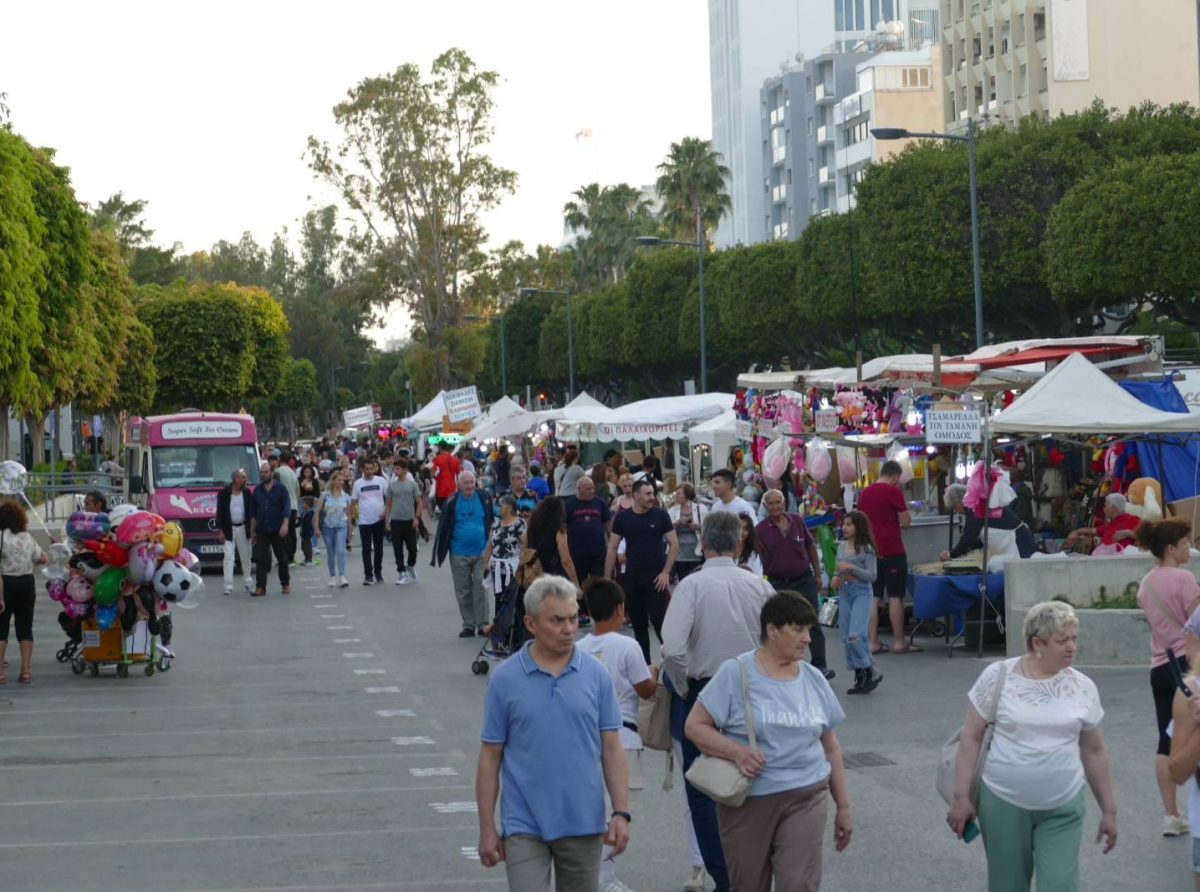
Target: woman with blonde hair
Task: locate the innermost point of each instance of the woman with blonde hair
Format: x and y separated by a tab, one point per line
1046	742
624	501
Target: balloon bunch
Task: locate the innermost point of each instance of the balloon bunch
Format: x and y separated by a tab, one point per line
127	565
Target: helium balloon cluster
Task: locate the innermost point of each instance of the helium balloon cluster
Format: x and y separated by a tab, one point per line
127	565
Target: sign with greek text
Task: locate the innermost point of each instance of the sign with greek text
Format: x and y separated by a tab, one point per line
622	432
462	404
952	426
360	417
827	420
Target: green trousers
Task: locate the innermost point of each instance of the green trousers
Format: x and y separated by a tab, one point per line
1019	843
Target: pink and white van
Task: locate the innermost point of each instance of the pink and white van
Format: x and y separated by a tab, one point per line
176	464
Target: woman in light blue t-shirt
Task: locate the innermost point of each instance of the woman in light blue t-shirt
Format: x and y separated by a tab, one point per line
775	834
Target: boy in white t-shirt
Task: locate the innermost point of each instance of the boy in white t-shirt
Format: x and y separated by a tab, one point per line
622	657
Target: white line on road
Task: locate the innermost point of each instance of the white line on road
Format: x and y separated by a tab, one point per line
101	762
454	808
433	772
413	741
347	641
333	616
358	655
471	853
370	672
391	689
322	606
336	628
495	880
395	713
194	733
262	794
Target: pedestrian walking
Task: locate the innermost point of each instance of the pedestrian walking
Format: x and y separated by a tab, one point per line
505	542
1169	596
852	577
624	502
1185	760
285	475
604	489
774	839
95	502
727	498
333	520
526	496
551	724
1046	741
687	514
632	680
589	524
268	531
445	471
537	481
368	496
462	534
568	474
791	562
402	508
18	589
502	469
651	547
310	491
714	616
547	535
747	556
884	505
235	510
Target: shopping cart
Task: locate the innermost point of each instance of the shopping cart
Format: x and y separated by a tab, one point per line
112	647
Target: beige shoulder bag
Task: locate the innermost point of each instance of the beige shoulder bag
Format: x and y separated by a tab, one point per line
719	779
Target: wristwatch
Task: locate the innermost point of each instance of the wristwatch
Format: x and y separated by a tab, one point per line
623	814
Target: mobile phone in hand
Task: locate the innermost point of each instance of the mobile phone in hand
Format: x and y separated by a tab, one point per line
970	830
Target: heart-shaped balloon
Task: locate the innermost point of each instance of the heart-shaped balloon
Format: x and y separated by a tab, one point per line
59	554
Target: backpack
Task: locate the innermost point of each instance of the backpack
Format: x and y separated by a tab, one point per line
529	568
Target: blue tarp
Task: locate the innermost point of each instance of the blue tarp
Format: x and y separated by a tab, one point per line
1173	461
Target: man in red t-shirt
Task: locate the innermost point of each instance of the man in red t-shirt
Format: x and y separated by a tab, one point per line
884	505
445	469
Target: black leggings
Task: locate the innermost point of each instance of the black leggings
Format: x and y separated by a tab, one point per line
20	593
1162	685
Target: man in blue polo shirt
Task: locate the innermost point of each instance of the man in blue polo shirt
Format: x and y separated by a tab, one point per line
550	728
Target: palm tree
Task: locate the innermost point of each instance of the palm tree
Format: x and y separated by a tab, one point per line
608	219
691	182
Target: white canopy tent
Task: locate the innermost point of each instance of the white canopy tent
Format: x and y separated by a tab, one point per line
719	434
503	418
661	418
582	407
429	416
1078	398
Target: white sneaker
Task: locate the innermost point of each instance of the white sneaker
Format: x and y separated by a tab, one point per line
402	579
614	885
343	582
412	574
333	581
696	879
1173	825
249	585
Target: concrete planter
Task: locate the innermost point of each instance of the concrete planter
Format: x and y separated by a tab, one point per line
1106	637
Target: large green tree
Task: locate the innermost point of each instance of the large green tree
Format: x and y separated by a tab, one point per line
606	220
692	184
412	164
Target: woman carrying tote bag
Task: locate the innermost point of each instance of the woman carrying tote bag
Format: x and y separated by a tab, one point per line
796	765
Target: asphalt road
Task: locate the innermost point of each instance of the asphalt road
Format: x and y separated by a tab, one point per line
327	740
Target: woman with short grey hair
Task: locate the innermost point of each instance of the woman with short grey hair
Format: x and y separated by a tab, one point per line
1008	535
1047	741
1117	532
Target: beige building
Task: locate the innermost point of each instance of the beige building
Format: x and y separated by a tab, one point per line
1005	59
894	89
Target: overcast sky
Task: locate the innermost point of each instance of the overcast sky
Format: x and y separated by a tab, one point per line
204	109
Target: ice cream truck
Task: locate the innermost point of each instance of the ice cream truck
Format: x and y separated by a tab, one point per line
176	464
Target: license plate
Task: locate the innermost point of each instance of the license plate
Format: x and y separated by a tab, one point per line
212	549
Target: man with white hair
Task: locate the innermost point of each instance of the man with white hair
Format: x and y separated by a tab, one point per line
1007	534
551	724
462	533
1116	533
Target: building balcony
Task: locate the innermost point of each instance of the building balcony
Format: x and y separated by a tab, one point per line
824	134
1040	43
777	116
824	175
779	155
825	93
780	231
825	212
779	193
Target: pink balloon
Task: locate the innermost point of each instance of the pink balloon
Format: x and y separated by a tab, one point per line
79	589
138	527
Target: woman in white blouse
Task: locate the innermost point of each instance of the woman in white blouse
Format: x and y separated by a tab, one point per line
1047	741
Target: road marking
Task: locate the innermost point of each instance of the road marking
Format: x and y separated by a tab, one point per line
394	713
347	640
322	606
454	808
358	655
333	616
433	772
387	690
320	596
101	762
495	880
471	853
370	672
199	732
171	797
136	840
413	741
336	628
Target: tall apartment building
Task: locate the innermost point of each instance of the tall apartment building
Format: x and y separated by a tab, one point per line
858	21
1006	59
893	89
798	137
749	41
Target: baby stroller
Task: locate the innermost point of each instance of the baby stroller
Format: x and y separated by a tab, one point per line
504	634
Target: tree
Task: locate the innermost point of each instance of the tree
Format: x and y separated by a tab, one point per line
607	220
270	331
1127	235
22	276
412	165
691	183
137	374
109	293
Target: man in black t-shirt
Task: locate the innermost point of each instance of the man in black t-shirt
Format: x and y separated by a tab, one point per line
589	523
650	550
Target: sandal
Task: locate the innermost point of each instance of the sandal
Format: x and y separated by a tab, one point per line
25	678
909	649
882	649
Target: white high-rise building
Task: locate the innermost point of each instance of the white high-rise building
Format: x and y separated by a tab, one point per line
750	42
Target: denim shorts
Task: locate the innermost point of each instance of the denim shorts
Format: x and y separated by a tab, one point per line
1195	854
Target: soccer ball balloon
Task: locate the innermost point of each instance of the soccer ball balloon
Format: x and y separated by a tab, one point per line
176	583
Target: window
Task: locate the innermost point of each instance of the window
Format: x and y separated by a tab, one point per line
812	207
789	177
811	168
810	126
788	136
808	85
176	466
857	133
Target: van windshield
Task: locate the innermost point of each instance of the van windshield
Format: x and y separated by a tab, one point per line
176	466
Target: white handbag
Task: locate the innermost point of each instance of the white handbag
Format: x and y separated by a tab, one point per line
719	779
949	757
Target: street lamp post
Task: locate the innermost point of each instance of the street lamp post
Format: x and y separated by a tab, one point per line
969	139
698	244
523	291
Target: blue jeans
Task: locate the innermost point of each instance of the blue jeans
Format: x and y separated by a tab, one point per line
335	549
704	810
854	615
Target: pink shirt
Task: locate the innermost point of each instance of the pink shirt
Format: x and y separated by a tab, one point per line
1178	591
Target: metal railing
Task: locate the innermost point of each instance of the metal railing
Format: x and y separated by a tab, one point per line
55	495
